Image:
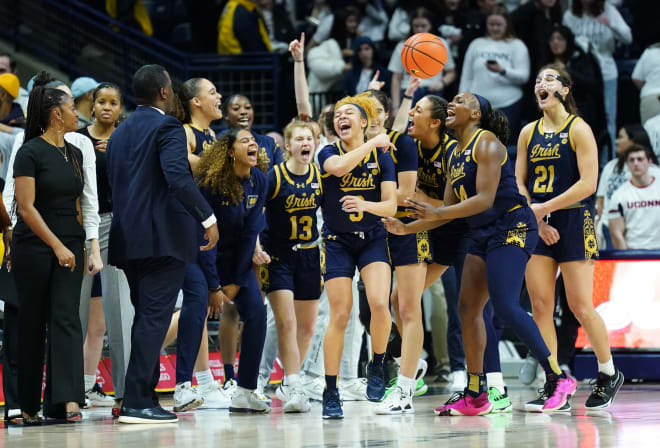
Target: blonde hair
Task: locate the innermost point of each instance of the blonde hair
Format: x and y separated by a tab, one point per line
294	124
366	102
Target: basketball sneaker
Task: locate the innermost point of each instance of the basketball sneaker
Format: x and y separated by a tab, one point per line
246	401
375	382
501	402
398	401
214	397
97	397
354	389
604	391
230	387
313	386
560	391
297	401
186	398
462	403
332	405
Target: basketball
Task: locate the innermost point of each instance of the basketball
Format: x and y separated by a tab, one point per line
424	55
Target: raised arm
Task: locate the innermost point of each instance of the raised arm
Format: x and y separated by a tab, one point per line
401	120
297	49
343	164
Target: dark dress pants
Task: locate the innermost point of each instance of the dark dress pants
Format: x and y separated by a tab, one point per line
155	284
49	296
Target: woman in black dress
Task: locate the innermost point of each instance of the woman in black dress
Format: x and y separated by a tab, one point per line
48	257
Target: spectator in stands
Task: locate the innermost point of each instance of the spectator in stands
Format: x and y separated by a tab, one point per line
635	210
497	66
371	21
561	48
242	29
399	26
279	26
364	68
329	60
421	21
83	91
646	77
601	24
131	12
616	173
11	114
533	23
652	127
8	65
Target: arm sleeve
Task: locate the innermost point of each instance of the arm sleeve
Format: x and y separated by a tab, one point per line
399	26
206	262
641	70
8	191
324	28
25	163
89	202
254	224
466	74
619	26
172	145
395	65
615	208
518	73
325	60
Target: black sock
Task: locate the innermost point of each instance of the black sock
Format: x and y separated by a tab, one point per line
331	382
229	372
378	359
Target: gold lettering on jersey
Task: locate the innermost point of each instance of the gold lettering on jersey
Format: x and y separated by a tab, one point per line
206	145
348	182
427	178
517	236
457	171
293	203
539	152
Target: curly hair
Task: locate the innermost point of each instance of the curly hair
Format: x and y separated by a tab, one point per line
367	103
216	168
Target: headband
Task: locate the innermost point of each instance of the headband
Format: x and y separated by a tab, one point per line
484	106
364	114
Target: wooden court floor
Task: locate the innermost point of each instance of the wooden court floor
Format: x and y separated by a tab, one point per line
633	421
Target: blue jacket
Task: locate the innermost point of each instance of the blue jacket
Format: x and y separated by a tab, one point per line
156	205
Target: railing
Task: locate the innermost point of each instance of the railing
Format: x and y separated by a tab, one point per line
82	41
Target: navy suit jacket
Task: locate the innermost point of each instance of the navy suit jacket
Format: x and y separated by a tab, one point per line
156	204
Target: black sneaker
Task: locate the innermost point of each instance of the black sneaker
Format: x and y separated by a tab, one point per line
537	405
375	382
605	389
332	405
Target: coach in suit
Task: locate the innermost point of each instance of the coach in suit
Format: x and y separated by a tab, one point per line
156	209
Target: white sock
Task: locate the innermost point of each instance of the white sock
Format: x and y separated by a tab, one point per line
90	380
607	367
204	378
407	384
292	381
495	379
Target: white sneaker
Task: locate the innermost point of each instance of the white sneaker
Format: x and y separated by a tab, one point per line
262	382
313	387
186	398
214	397
230	387
397	402
297	401
457	381
353	390
97	397
422	367
245	400
283	392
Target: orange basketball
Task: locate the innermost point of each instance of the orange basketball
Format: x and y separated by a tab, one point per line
424	55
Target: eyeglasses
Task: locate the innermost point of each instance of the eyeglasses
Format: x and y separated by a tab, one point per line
549	77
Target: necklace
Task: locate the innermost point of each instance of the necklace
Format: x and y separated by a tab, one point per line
60	150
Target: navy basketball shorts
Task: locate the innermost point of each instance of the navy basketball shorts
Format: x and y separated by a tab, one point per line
515	228
414	248
577	237
297	270
447	242
343	252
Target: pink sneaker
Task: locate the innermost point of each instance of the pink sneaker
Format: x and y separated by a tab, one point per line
461	403
563	389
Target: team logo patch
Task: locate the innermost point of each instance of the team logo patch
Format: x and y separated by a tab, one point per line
252	200
564	141
423	247
374	172
517	236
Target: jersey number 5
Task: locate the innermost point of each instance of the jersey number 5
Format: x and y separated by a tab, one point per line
305	223
356	217
544	174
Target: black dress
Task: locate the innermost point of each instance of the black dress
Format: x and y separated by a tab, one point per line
49	294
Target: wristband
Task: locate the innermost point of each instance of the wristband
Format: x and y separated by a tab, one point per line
408	97
216	289
299	60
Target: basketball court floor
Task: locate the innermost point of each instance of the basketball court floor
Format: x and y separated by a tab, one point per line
633	421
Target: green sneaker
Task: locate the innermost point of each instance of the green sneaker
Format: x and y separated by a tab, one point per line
420	388
501	402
